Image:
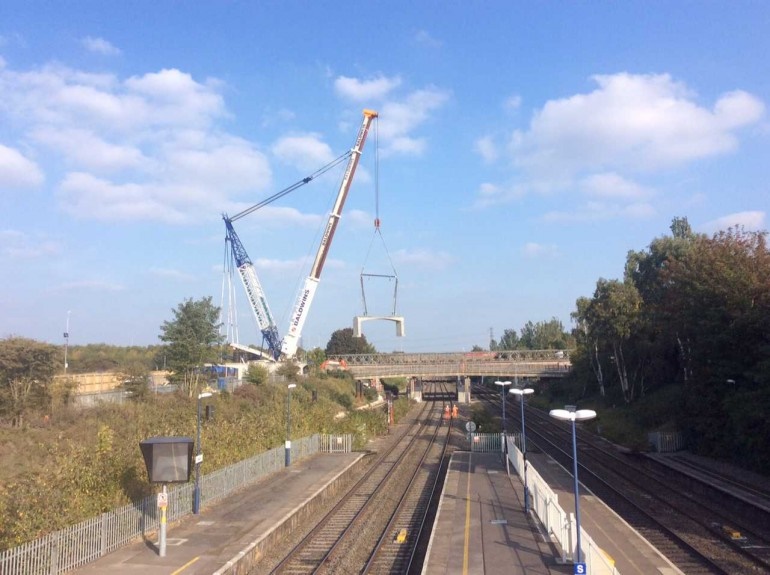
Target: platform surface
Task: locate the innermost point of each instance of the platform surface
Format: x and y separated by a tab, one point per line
631	553
202	544
481	527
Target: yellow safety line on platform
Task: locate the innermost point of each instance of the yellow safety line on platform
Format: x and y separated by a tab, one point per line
467	518
186	565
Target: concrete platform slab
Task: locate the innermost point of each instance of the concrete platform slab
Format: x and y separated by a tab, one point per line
232	531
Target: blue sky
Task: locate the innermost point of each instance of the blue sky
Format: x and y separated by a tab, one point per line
523	149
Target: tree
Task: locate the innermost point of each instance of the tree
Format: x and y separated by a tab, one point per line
670	348
587	342
544	335
342	342
27	368
192	339
288	369
612	317
257	374
510	340
316	356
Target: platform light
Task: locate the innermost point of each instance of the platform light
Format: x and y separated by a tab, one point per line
572	414
503	385
522	393
288	423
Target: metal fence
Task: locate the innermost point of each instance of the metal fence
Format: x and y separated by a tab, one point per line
90	539
485	442
666	441
336	443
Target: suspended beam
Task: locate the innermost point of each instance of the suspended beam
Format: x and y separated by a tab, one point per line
359	319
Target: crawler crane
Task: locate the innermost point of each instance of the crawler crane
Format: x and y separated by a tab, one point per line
287	347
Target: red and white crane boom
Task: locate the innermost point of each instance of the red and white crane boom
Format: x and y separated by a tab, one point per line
290	341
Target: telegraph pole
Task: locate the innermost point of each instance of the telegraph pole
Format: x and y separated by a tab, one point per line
66	341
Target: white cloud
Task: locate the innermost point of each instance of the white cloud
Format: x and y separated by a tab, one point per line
93	285
600	211
358	219
400	118
304	151
281	266
751	221
100	46
222	166
58	96
84	148
278	216
167	273
174	98
534	250
631	122
604	142
84	195
365	90
148	147
490	194
18	245
612	185
423	258
486	148
512	103
424	38
17	171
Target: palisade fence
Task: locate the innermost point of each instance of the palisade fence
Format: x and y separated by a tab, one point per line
87	541
486	442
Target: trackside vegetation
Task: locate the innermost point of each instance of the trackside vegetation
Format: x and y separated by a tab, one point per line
83	462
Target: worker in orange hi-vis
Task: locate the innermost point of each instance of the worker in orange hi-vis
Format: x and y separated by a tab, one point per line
446	412
454	412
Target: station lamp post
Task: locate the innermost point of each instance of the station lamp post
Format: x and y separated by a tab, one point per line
503	385
198	458
571	414
288	422
522	393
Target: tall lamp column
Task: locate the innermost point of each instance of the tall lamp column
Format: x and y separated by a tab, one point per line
570	414
522	393
288	423
502	385
198	458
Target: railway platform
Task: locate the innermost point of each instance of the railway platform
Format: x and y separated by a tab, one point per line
630	553
226	537
481	527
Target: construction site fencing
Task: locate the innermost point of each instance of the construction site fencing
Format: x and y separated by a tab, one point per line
88	540
557	522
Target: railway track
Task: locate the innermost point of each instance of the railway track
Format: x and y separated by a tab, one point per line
396	547
697	526
394	494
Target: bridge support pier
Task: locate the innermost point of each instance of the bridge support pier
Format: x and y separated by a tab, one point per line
415	390
465	395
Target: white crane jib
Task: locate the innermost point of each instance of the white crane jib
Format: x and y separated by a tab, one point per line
305	299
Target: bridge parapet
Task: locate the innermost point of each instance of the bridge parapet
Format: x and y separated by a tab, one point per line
504	356
508	364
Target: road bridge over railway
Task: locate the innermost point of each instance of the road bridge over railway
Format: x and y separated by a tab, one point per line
547	363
